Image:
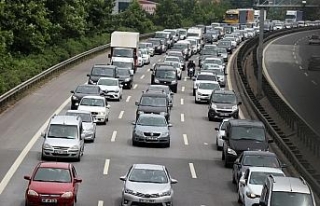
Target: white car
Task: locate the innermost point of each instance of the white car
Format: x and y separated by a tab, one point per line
214	60
174	59
148	46
232	40
98	106
194	45
145	56
220	132
140	59
207	76
218	70
251	183
111	88
204	90
178	66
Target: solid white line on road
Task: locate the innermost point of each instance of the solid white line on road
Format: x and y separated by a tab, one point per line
182	89
193	171
185	139
100	203
121	114
106	167
128	98
182	117
182	101
114	135
142	76
135	86
315	83
306	73
4	182
300	67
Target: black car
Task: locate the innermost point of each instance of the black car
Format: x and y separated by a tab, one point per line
153	103
241	135
157	66
254	159
158	45
225	44
125	76
83	90
101	70
166	75
223	104
162	88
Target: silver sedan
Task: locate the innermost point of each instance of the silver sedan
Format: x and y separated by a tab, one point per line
147	184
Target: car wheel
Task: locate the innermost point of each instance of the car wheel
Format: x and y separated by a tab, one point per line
233	178
168	144
195	100
42	157
134	143
222	156
78	158
175	89
226	164
210	118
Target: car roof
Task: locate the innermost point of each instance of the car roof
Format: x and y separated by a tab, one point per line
61	165
266	169
208	81
104	66
224	92
79	112
151	93
206	74
148	166
246	122
88	85
94	97
110	78
152	115
258	153
65	119
290	184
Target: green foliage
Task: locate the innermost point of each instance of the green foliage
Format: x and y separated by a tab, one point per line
168	14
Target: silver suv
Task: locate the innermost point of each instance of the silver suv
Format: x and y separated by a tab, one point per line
64	138
286	191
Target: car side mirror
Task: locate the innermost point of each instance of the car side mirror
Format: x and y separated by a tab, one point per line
108	106
216	128
137	103
123	178
43	134
270	140
88	75
193	79
72	92
174	181
82	136
77	180
283	165
239	103
242	181
27	177
109	55
170	125
133	123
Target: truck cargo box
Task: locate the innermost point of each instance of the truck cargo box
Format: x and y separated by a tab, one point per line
124	39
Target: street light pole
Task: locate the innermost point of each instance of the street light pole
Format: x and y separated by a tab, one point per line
304	12
260	53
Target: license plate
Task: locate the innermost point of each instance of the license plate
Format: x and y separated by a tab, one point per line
152	137
49	200
146	200
60	152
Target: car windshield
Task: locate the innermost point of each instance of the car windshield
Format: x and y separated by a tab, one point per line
122	64
224	43
221	50
85	117
209	86
248	133
258	178
207	77
92	102
165	74
123	52
192	42
123	72
211	66
87	90
171	59
143	51
142	46
213	61
100	71
63	131
148	176
160	35
290	199
182	32
180	46
108	82
152	121
153	101
209	51
44	174
261	161
155	42
224	98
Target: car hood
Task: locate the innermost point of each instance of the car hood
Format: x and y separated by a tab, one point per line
205	91
151	109
224	106
255	189
91	108
50	187
63	142
147	188
109	88
151	129
165	80
243	145
123	77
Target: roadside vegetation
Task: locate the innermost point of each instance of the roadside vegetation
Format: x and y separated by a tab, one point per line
36	34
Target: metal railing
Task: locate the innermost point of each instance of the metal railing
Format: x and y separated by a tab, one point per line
307	136
16	93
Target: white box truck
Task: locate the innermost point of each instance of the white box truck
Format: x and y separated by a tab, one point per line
124	48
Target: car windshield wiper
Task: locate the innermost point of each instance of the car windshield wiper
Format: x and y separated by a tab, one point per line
248	138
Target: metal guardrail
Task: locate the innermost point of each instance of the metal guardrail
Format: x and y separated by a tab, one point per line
15	93
301	129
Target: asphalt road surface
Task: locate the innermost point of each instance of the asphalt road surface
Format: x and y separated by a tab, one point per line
192	158
286	62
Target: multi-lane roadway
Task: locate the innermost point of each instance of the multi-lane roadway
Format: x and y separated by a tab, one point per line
192	158
286	64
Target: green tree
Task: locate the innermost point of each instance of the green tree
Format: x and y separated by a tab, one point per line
26	25
168	14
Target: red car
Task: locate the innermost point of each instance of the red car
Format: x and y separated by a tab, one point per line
52	183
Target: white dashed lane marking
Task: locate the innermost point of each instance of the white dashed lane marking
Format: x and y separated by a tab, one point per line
185	139
100	203
106	167
182	117
114	136
182	101
128	98
315	83
300	67
182	89
142	76
306	74
192	171
121	114
135	86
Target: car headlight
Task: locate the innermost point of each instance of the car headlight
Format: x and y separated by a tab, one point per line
47	146
127	79
250	194
75	147
213	106
156	81
234	107
173	82
129	191
166	133
199	93
102	113
163	113
139	132
74	98
231	151
167	193
32	193
67	195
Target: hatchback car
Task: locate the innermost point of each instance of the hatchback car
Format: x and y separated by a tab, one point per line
52	183
162	88
151	128
125	76
98	106
88	123
111	88
81	91
101	70
204	90
147	184
202	77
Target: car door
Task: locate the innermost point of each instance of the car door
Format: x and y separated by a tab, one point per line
74	175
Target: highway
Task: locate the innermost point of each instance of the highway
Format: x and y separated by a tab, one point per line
286	63
192	158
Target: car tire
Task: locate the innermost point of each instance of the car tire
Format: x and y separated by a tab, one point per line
175	89
194	92
210	118
233	178
226	163
167	144
239	199
195	100
134	143
78	159
43	157
217	146
222	156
